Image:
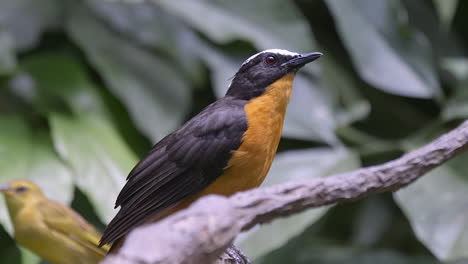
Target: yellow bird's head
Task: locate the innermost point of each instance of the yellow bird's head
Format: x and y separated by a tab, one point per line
18	193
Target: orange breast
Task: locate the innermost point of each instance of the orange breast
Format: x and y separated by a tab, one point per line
250	164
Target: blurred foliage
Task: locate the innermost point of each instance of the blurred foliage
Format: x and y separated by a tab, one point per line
87	86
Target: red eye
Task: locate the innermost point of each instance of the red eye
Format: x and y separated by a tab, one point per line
271	60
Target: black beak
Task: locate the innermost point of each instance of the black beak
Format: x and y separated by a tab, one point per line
4	187
302	60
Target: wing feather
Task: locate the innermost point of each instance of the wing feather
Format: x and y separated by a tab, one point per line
179	166
65	221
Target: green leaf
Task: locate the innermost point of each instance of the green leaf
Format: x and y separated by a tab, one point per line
98	156
150	26
24	155
437	207
288	166
26	20
446	10
8	249
12	253
272	23
7	53
330	254
457	66
57	83
151	88
444	41
28	257
386	51
457	105
310	112
349	105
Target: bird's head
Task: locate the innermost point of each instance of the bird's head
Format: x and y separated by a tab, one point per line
20	192
264	68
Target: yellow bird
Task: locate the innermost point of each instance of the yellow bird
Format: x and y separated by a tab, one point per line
53	231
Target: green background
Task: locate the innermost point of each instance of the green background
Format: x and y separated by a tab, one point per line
86	87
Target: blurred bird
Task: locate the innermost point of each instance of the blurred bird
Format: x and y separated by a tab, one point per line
53	231
226	148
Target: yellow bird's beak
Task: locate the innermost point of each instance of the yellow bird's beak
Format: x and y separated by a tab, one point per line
4	187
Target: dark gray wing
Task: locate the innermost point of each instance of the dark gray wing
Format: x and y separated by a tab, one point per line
179	166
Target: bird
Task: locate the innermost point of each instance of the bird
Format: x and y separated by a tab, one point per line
226	148
53	231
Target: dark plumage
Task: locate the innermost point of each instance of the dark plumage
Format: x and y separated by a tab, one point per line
180	165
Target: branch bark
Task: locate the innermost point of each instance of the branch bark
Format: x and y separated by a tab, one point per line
202	232
232	255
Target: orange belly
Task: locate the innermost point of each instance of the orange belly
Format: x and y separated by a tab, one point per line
250	164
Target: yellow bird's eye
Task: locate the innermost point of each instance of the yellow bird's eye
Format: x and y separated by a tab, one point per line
21	189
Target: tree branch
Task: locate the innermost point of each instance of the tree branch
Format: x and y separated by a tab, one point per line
232	255
200	233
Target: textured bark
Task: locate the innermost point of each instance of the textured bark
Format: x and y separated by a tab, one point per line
202	232
232	255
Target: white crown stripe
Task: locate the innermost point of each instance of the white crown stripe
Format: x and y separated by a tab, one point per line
277	51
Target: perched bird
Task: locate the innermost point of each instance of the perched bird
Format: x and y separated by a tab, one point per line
226	148
53	231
